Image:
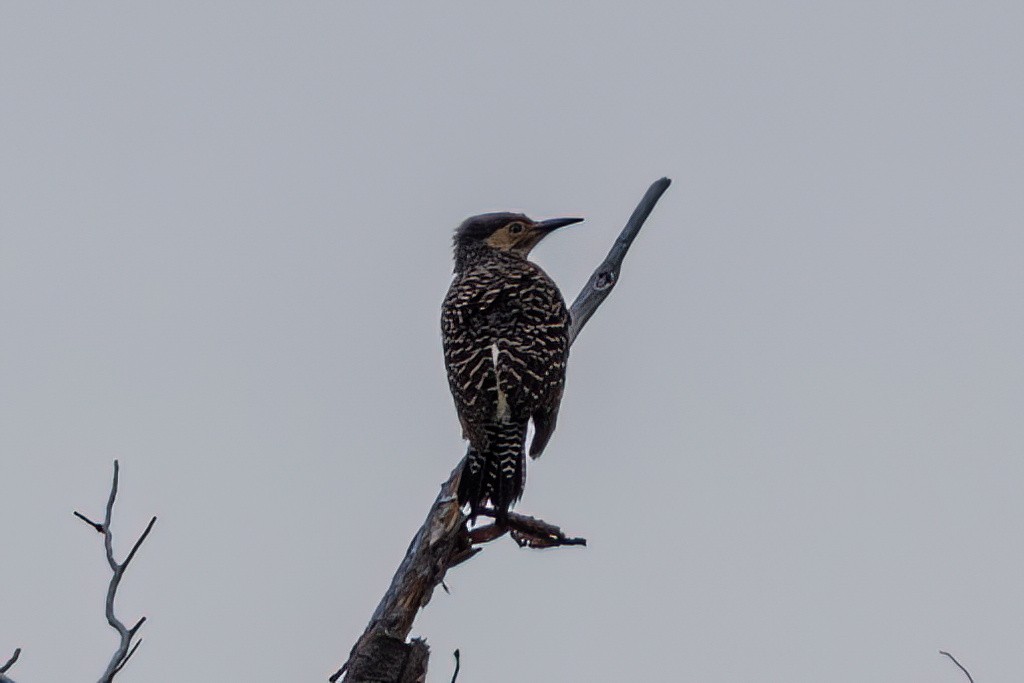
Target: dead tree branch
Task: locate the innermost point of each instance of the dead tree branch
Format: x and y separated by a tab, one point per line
7	667
126	648
603	280
443	541
961	666
455	676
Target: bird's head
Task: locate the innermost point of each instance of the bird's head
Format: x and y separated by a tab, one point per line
513	233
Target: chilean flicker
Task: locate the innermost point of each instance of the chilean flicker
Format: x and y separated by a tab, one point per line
506	342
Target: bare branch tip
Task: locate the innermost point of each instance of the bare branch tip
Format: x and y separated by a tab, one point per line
10	662
457	664
113	495
134	629
959	665
98	527
138	543
603	279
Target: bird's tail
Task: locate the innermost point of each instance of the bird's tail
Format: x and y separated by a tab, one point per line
496	471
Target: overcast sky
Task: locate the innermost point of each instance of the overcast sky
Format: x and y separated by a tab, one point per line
794	435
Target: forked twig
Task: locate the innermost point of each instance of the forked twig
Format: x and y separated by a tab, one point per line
126	648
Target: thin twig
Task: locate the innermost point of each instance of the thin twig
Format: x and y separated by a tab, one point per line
129	655
966	672
10	662
95	525
455	675
126	648
7	666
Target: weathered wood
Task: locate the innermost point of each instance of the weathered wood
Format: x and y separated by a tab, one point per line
384	659
442	536
605	277
381	654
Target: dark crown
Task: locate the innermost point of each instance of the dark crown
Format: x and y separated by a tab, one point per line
479	228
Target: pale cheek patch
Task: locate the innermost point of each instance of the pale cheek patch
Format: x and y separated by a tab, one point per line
499	240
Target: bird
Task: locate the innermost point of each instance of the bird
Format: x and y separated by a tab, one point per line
505	333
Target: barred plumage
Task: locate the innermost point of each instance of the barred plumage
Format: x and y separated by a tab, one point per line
505	328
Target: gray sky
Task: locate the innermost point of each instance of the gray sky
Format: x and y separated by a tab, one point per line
793	436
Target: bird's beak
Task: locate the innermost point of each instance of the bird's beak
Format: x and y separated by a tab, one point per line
555	223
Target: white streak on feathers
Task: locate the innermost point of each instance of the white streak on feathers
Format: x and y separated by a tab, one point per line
502	411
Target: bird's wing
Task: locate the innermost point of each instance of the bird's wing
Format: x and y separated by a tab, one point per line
506	346
468	332
544	426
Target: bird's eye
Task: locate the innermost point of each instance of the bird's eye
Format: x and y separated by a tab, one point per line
515	228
